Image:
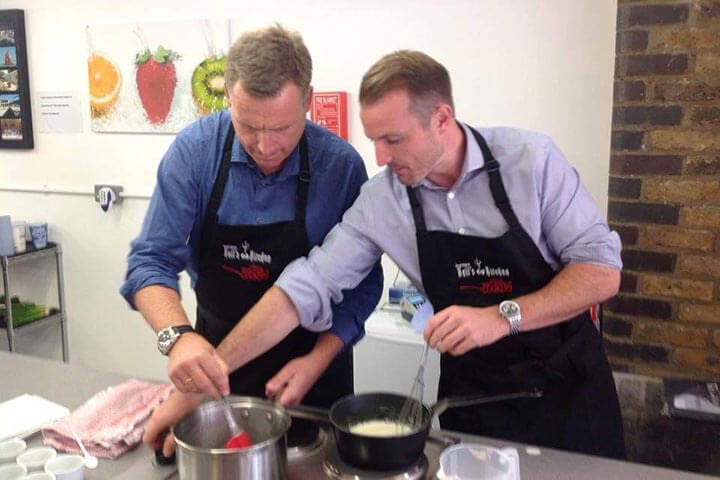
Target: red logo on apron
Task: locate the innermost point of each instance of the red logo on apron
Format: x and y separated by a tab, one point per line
495	285
251	273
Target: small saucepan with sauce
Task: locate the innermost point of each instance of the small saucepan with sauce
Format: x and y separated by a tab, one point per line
368	432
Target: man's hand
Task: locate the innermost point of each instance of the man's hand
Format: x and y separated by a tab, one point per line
157	431
195	367
458	329
292	382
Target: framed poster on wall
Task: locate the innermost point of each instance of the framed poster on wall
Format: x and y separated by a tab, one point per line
15	119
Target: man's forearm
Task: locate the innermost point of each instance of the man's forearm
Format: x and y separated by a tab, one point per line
573	290
326	348
268	322
160	307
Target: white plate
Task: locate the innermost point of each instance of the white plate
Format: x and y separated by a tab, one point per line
27	414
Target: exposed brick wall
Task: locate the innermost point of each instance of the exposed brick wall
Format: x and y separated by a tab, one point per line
664	189
653	437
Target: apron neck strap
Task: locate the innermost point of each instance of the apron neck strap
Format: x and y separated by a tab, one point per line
211	214
303	182
219	185
502	202
417	210
500	197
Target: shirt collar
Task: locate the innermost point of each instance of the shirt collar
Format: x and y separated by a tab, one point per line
472	161
290	168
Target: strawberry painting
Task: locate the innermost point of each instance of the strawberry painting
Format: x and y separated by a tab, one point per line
156	81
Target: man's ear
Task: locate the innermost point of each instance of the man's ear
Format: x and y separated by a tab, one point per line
443	116
308	103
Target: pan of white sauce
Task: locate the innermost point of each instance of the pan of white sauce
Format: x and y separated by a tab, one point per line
370	434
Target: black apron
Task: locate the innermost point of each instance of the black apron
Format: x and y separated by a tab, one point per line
579	410
237	265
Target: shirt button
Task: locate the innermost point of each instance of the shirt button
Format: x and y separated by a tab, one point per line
461	231
451	195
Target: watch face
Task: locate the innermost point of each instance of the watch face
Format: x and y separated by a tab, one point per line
509	308
165	336
166	339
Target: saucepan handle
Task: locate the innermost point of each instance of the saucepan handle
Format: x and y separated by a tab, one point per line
307	412
468	400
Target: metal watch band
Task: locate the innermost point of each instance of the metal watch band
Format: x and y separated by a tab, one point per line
514	324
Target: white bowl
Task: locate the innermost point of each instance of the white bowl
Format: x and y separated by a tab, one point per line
34	459
66	467
40	476
9	449
12	471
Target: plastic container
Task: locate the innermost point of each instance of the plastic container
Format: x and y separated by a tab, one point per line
10	449
34	459
66	467
40	476
12	472
472	461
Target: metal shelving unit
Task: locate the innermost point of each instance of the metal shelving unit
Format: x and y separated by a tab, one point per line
32	254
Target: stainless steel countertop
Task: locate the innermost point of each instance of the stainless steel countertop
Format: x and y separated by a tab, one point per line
71	385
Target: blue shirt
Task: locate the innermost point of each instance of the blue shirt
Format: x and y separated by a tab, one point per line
545	191
170	237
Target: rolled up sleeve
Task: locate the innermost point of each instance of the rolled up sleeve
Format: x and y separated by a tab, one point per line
316	282
161	250
574	226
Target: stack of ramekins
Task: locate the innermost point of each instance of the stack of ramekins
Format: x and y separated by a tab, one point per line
17	462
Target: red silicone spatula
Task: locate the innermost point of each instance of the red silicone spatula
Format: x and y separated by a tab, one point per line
240	438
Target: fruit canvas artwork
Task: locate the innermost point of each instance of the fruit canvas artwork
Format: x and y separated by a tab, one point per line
208	85
104	80
156	80
156	77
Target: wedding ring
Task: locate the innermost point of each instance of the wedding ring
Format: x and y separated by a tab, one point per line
187	380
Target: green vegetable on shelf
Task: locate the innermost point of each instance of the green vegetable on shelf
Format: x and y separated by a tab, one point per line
22	312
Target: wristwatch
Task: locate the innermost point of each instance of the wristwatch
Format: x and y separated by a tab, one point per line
168	336
510	311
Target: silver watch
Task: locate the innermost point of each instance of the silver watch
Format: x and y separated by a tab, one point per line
510	311
167	337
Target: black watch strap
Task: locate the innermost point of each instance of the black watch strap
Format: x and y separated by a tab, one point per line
183	328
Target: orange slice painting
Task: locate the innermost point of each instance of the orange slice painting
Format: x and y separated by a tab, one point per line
105	80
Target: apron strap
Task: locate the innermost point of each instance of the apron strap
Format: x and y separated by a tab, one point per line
211	217
502	202
417	210
211	213
500	197
303	183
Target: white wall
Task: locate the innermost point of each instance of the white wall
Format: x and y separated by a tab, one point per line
545	65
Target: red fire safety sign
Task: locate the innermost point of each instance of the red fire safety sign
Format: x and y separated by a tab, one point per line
329	110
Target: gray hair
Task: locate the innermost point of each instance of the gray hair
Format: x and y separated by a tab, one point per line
264	60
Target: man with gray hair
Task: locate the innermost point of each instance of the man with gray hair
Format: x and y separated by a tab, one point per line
240	194
494	226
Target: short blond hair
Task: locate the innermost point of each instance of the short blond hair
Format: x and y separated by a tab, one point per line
426	81
264	60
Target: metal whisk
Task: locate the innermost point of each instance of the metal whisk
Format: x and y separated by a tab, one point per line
412	411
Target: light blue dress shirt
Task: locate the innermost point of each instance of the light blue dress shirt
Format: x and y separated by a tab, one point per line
545	191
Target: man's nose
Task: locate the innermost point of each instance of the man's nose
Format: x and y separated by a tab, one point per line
264	142
382	155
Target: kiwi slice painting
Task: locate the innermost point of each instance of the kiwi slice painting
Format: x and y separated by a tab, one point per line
208	85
